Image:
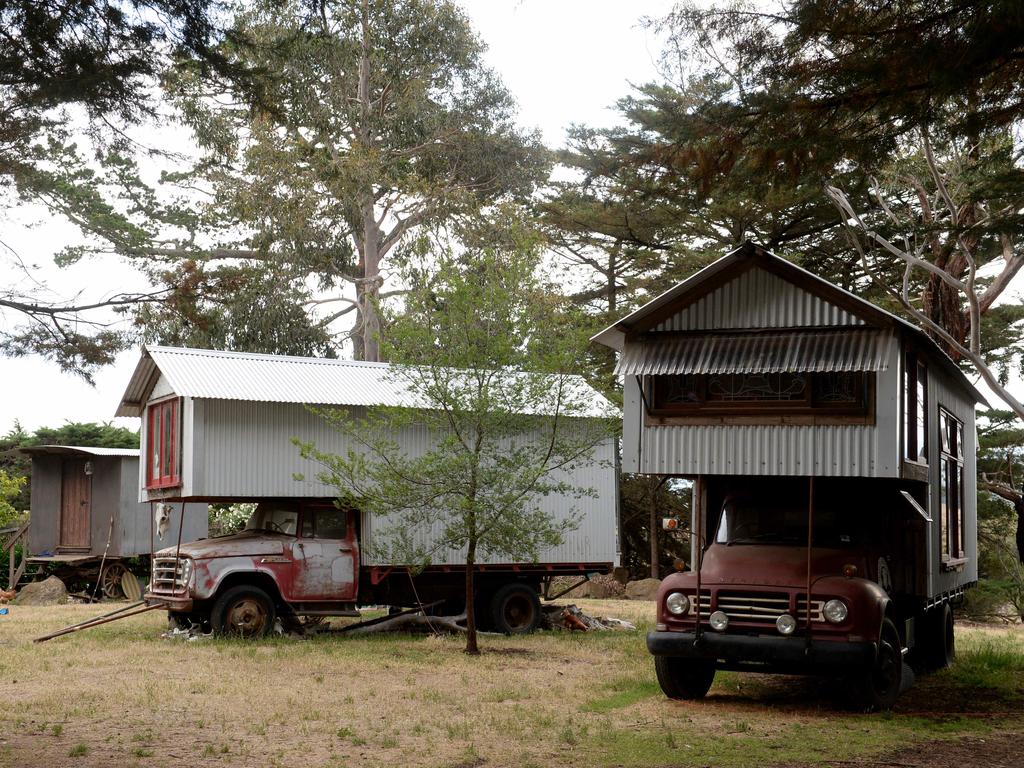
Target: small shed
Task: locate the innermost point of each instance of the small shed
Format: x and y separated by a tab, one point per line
85	504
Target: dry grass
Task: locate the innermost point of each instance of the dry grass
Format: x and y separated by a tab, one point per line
120	695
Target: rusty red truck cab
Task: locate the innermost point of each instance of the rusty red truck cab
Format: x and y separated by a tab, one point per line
768	597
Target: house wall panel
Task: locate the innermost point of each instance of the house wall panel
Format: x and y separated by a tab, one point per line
247	452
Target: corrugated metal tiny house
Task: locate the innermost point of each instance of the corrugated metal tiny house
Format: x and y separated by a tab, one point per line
220	427
85	501
754	367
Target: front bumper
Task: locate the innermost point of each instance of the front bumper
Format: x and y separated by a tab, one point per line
783	654
172	603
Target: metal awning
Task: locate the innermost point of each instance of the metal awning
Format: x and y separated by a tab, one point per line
762	352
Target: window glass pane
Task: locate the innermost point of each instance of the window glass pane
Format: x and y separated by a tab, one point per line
956	504
944	500
153	436
839	388
677	390
166	454
331	523
774	387
269	517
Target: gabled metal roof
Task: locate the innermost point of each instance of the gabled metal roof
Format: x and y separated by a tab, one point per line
79	450
219	375
747	255
768	352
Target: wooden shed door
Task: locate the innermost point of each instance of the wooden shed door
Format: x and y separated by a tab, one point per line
75	506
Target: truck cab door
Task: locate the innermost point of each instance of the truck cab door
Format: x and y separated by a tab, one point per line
326	556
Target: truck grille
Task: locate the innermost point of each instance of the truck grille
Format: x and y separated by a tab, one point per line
760	607
166	580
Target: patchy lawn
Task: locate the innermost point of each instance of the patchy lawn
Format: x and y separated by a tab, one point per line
121	695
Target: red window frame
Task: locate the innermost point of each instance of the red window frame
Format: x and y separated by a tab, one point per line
162	444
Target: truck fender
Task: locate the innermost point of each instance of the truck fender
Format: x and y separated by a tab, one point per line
209	584
869	603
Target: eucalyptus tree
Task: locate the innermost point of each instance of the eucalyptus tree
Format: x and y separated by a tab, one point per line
377	121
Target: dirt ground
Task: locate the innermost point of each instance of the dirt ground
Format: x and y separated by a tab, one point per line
121	695
999	750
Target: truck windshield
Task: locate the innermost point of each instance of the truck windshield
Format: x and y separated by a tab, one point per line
755	521
273	518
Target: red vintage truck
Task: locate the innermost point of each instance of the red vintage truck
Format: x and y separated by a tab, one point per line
768	598
298	559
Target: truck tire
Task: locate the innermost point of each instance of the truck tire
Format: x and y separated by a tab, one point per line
243	611
877	689
684	679
515	609
936	644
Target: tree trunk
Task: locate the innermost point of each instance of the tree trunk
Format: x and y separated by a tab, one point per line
655	572
471	646
367	337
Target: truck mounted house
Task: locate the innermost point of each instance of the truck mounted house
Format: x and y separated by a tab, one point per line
218	427
832	450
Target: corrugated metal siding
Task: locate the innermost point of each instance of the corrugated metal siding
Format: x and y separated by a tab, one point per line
248	453
856	350
835	451
768	449
757	299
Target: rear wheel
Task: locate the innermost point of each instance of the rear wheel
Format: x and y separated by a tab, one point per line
879	688
940	648
515	609
684	678
243	611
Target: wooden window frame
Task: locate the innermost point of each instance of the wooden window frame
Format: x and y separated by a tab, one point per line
803	408
154	414
951	501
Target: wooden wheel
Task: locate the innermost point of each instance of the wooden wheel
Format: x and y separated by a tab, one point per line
110	580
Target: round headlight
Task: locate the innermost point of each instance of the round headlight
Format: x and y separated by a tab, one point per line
836	611
718	620
786	624
677	603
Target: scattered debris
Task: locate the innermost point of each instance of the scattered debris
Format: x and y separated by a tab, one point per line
51	591
190	634
572	618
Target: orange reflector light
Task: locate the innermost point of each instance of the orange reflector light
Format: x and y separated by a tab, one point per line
849	570
680	564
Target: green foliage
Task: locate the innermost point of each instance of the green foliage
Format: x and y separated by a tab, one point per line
86	434
10	489
479	349
639	496
226	519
